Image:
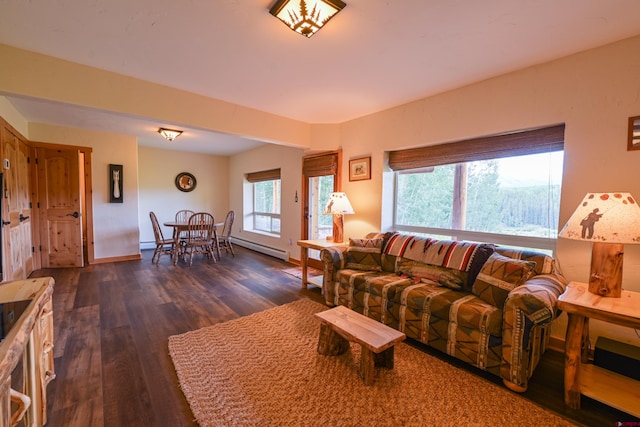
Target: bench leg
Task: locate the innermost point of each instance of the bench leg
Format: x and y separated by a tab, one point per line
385	358
369	360
330	342
367	365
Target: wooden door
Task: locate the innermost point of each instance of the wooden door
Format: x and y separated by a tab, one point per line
60	208
18	243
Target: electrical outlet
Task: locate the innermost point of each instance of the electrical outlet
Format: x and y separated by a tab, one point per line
289	242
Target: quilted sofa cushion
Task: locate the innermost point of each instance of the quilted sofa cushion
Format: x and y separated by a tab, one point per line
455	322
364	254
454	279
368	292
499	276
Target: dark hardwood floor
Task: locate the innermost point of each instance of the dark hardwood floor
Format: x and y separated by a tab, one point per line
112	322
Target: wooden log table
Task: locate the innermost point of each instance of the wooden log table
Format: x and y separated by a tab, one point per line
341	325
580	377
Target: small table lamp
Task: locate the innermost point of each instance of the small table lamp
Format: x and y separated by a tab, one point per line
338	206
609	220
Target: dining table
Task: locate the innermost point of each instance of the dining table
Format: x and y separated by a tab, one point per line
182	226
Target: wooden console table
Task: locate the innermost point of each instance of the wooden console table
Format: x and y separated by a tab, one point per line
30	339
317	244
608	387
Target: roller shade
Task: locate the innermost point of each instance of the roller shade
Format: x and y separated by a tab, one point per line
533	141
326	164
269	175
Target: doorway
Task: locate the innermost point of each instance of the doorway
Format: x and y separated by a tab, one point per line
65	208
320	177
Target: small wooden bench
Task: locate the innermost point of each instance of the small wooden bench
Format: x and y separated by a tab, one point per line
341	325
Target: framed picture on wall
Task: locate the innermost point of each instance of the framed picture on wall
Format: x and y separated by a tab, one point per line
360	169
115	184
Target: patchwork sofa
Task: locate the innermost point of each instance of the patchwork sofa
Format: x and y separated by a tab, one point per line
488	306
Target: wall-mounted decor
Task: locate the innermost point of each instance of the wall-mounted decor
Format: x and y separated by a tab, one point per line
360	169
634	133
115	184
186	182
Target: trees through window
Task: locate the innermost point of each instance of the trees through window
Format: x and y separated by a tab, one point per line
512	200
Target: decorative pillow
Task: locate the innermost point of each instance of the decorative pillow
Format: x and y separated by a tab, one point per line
453	279
544	262
482	254
499	276
364	254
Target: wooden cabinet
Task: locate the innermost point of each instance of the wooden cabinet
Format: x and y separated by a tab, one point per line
17	213
29	340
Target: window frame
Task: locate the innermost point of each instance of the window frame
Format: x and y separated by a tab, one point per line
423	159
253	178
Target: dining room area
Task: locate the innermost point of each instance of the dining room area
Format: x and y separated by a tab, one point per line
187	185
191	234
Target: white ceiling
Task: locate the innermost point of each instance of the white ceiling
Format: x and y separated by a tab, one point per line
373	55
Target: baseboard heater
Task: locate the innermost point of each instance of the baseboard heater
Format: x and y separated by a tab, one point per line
267	250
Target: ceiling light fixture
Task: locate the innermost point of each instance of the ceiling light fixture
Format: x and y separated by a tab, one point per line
305	17
169	134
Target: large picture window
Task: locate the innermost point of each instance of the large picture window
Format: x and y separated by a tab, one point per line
266	191
501	198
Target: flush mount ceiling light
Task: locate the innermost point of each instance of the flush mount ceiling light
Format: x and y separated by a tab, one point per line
306	17
169	134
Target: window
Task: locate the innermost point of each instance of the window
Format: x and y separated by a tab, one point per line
511	200
265	189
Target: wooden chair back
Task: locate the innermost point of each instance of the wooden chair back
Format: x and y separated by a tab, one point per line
201	228
224	239
163	246
157	231
183	215
228	223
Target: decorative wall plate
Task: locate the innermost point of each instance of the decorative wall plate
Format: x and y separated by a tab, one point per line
186	182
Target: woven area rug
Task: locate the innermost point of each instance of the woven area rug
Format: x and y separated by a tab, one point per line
264	370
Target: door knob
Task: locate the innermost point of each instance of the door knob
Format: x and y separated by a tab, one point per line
75	214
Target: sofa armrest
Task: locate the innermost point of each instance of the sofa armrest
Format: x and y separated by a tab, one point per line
332	260
537	298
527	315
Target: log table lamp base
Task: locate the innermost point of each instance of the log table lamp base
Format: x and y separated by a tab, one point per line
606	269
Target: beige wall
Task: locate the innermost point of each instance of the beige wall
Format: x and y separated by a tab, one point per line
158	193
116	230
289	160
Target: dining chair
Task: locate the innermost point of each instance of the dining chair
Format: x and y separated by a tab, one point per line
224	238
181	216
163	246
200	236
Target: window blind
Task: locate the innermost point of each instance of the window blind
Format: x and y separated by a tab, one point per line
325	164
532	141
268	175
